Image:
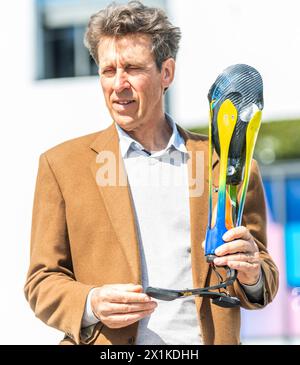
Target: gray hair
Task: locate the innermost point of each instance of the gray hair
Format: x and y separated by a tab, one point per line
134	17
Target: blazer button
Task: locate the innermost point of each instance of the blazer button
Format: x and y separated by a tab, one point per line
131	340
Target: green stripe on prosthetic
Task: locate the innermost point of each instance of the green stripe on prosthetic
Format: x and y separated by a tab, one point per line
251	136
232	189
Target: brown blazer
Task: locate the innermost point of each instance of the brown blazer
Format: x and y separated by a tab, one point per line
84	236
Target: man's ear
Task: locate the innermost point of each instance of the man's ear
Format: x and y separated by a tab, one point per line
168	72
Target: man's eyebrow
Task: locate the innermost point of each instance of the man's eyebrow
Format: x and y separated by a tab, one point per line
104	65
134	63
127	64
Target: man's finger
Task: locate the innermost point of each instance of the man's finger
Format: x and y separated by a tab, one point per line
116	296
117	308
244	267
237	232
127	287
121	320
222	261
234	247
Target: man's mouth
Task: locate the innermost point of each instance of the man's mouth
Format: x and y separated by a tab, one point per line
124	102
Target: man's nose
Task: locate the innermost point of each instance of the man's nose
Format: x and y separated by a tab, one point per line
121	81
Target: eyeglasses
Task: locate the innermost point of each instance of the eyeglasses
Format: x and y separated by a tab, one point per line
220	298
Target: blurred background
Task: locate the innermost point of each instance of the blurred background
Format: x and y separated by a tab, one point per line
50	93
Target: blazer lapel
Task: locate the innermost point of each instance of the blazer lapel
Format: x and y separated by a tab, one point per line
116	197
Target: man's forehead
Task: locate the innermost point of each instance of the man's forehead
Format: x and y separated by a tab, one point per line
127	49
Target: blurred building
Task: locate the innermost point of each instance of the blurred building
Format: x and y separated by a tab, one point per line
280	321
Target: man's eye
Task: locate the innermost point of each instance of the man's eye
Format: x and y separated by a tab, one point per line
108	72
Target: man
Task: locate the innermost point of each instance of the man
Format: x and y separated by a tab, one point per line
106	224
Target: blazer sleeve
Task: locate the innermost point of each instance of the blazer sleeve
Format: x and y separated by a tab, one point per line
51	287
254	219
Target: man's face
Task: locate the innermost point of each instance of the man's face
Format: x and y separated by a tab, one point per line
132	85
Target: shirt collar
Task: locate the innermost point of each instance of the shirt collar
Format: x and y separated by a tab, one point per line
126	142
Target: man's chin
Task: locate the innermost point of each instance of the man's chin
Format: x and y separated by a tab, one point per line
124	121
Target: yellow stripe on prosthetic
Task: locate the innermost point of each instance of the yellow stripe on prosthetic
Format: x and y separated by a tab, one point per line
227	118
251	137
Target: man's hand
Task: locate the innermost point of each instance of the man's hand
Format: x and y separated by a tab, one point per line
120	305
240	252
